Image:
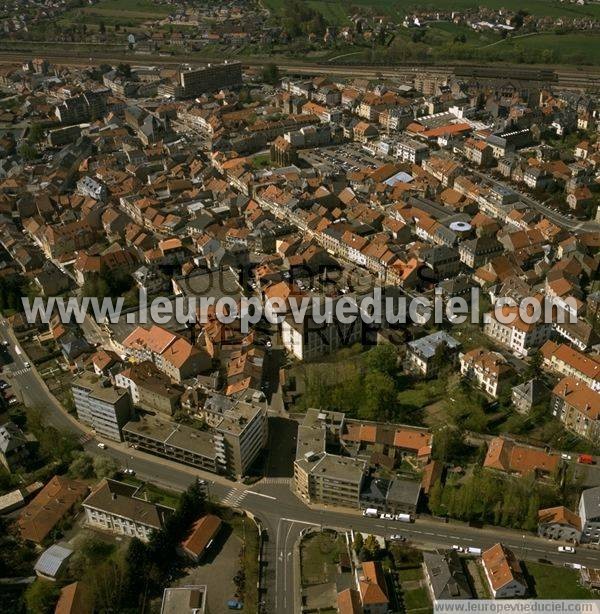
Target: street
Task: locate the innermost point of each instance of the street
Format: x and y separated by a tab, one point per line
280	511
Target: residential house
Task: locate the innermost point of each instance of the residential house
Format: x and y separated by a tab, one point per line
503	573
114	507
559	523
489	370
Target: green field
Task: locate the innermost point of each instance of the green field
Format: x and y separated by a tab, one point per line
337	11
117	12
551	582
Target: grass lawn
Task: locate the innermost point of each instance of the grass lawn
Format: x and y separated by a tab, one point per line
421	393
550	582
319	554
417	599
158	495
410	574
246	530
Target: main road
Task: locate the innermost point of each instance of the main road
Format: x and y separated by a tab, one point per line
281	513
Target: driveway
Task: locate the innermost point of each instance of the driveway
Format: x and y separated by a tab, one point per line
216	570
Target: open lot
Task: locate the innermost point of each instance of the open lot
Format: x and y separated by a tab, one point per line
235	548
550	582
319	554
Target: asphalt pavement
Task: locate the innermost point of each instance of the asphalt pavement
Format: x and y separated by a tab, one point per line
281	512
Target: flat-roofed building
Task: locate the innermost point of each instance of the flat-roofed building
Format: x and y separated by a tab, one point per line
172	440
330	479
210	78
184	600
113	506
241	434
101	406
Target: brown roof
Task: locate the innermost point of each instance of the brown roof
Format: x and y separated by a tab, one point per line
372	584
559	515
580	396
348	602
507	455
72	600
501	566
203	532
49	506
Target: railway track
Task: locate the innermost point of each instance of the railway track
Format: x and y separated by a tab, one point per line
565	77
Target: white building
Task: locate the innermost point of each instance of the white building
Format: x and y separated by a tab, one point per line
113	506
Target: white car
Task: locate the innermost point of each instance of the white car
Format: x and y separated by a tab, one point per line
102	446
566	549
458	548
27	364
397	537
387	516
129	471
565	456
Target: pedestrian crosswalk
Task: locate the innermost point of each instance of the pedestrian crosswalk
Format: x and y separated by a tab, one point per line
276	481
21	371
85	438
234	497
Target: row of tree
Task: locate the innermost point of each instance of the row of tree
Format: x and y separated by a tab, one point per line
485	496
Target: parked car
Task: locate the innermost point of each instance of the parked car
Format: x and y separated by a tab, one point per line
458	548
566	549
234	604
102	446
387	516
397	537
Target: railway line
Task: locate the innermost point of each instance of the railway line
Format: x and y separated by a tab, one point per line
575	78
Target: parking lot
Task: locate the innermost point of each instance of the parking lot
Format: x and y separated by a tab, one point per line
348	157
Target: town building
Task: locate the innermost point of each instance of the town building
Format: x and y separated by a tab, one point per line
559	523
489	370
577	406
427	354
101	406
114	507
58	498
445	576
503	573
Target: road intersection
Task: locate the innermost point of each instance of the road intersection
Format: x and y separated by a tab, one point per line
271	501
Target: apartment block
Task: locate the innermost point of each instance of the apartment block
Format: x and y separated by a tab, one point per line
241	434
577	406
100	406
210	78
563	359
177	442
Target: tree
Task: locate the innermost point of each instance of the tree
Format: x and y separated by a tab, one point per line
105	467
380	397
534	368
383	359
435	498
41	596
270	74
448	444
358	542
82	466
28	151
